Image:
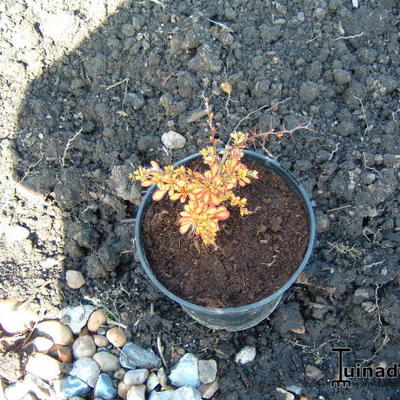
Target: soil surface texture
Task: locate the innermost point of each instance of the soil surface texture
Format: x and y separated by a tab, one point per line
88	88
255	255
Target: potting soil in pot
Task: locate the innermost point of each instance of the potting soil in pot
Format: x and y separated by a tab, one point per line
256	254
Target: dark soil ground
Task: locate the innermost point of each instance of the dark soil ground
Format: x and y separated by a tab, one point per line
88	88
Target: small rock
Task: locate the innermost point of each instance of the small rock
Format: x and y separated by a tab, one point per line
71	386
187	393
133	356
309	91
120	374
314	373
152	382
16	391
207	370
44	366
59	333
341	76
164	395
322	222
369	178
116	336
108	362
246	355
288	318
173	140
87	370
84	347
64	353
100	341
40	388
288	395
75	279
186	372
76	317
15	317
136	393
195	115
208	390
135	100
162	376
136	377
206	60
96	320
122	390
42	345
104	388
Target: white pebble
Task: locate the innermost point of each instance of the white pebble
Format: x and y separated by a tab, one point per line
59	333
246	355
136	377
44	366
173	140
136	392
76	317
42	344
116	336
75	279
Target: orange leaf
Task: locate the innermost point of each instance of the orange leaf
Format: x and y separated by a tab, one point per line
221	213
159	194
184	228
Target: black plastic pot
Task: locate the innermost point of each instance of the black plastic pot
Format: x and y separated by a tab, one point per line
233	318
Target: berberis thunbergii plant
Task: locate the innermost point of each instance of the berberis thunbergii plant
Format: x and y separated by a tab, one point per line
206	194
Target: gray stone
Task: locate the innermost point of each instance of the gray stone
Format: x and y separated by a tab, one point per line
341	76
246	355
309	91
187	393
120	183
107	361
207	370
206	60
104	388
76	317
288	318
135	100
209	389
137	392
86	370
84	347
369	178
152	382
71	386
173	140
164	395
186	372
136	377
133	356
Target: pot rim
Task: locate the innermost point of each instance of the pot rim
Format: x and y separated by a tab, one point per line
228	310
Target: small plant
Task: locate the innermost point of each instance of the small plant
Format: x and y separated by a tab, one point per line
207	193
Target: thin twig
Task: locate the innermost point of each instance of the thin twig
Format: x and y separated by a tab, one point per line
221	25
117	84
370	168
267	107
30	168
349	37
68	146
160	349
